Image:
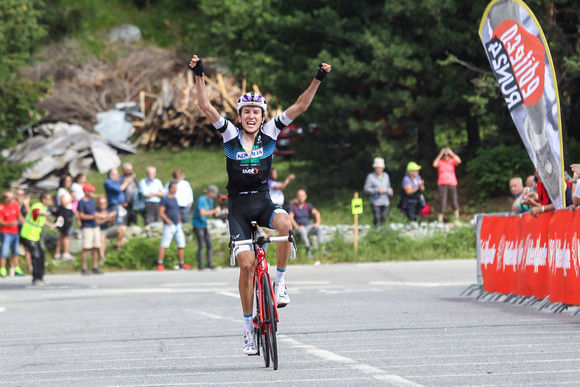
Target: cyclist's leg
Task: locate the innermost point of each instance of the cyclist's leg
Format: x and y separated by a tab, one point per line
239	230
281	222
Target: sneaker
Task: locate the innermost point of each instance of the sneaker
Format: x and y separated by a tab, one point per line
85	272
185	266
38	282
18	272
3	272
309	252
281	295
96	271
68	257
249	347
160	267
57	256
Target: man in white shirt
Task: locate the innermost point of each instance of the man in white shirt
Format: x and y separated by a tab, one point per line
152	190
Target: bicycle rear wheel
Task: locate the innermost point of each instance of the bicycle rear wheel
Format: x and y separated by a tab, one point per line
270	321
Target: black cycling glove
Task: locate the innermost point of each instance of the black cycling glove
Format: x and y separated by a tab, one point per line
198	68
321	73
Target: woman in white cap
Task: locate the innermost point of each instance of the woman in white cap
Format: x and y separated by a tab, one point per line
378	186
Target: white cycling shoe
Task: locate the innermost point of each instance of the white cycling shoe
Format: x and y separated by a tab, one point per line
249	347
281	295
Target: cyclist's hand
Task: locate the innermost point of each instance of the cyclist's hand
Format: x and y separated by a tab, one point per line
196	65
323	69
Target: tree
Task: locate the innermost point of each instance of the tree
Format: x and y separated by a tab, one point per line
19	33
388	91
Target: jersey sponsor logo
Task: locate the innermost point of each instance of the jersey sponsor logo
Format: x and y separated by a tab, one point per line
256	153
250	171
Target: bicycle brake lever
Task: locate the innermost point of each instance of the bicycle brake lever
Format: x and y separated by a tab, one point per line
292	245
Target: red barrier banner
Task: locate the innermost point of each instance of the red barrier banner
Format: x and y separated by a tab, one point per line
531	256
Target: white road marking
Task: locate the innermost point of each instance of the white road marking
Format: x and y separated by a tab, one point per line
376	373
417	284
189	284
230	294
213	316
2	309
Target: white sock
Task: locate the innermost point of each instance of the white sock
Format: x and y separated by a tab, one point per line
280	276
248	324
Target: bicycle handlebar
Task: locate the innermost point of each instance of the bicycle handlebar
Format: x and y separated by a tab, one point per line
262	241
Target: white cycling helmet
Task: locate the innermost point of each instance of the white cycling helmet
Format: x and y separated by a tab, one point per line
252	99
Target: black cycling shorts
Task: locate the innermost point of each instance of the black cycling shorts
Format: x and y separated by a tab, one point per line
243	209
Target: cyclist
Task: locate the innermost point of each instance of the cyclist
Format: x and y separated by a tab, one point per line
249	150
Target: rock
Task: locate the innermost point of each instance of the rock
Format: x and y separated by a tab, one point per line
106	157
125	33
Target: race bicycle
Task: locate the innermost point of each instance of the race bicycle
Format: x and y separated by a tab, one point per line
266	318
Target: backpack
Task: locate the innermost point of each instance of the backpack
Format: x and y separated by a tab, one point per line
305	206
53	209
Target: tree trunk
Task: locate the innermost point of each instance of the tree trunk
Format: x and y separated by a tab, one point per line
473	139
426	141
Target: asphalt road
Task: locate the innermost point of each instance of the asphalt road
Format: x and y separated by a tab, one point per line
401	324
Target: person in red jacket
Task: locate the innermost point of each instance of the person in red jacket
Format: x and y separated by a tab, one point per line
10	215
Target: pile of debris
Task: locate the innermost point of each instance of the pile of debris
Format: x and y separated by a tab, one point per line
59	147
173	118
158	109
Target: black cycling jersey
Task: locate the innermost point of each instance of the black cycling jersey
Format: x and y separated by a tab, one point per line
249	174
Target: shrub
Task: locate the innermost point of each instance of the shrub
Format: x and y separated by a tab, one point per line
491	169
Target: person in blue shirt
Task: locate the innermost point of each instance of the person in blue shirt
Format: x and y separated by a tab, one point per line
169	213
115	191
204	208
86	210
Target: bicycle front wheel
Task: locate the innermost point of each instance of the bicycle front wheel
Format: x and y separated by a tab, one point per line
270	320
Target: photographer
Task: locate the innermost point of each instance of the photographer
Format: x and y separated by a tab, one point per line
204	208
445	164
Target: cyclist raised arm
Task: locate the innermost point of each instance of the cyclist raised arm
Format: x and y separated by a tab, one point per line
249	150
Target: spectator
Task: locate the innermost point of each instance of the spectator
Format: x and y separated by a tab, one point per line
169	213
300	213
378	186
519	193
575	186
276	187
30	236
64	218
105	217
445	162
90	229
184	195
116	197
131	192
9	217
77	189
542	202
204	208
152	191
24	202
531	182
412	200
